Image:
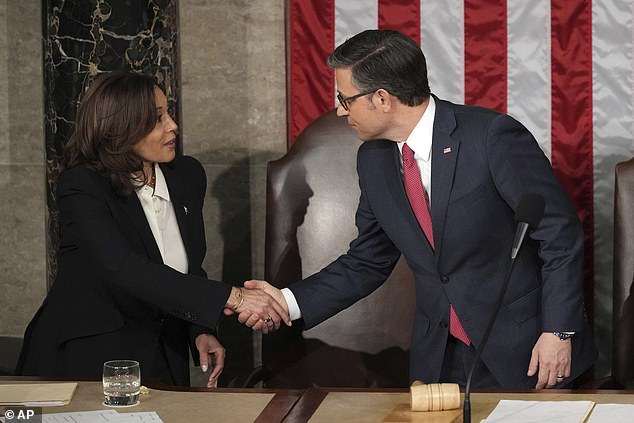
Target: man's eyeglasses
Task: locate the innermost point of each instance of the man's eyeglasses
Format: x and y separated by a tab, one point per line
347	100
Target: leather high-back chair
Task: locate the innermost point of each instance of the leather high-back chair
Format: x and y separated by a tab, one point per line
623	285
312	196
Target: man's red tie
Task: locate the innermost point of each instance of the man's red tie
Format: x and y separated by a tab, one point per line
420	206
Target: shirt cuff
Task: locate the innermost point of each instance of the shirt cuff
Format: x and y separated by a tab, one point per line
293	307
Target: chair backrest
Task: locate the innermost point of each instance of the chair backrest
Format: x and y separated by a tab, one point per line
623	295
312	196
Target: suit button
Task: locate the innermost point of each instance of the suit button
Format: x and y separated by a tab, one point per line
443	325
444	279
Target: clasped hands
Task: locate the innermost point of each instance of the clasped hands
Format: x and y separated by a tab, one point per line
259	306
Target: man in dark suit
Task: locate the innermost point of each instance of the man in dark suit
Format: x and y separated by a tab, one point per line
440	183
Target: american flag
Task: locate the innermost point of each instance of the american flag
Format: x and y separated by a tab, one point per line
564	68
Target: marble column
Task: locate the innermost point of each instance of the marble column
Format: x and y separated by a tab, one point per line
84	38
22	264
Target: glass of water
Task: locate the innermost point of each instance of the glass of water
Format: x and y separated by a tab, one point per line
121	382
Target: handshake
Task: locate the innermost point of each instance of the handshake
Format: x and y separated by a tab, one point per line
258	305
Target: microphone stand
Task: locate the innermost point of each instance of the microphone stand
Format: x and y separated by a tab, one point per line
528	213
466	415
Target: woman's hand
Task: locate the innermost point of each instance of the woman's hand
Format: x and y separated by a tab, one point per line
257	308
212	355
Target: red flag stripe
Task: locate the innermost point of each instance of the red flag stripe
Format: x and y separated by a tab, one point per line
401	15
571	74
485	53
311	40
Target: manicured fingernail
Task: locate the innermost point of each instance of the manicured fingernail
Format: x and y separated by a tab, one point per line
204	367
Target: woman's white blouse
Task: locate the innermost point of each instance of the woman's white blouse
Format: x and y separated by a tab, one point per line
159	212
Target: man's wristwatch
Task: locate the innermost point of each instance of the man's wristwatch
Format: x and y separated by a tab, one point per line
564	335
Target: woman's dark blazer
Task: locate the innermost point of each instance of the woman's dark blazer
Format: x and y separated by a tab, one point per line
113	298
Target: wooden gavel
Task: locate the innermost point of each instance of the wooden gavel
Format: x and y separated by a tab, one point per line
435	396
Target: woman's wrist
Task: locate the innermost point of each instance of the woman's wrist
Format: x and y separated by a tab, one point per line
235	298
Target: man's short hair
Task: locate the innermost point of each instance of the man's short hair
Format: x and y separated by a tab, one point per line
385	59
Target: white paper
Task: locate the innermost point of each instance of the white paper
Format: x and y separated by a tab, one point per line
98	416
40	404
145	417
79	416
509	411
612	413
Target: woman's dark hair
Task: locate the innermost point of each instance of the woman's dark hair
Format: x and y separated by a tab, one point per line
385	59
117	111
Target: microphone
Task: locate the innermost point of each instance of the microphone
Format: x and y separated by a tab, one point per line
528	213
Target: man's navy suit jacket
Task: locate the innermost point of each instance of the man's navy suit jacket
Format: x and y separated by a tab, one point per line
483	162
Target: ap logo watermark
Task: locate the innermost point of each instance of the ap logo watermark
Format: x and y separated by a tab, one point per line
22	414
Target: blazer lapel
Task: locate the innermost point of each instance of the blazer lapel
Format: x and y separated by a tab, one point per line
132	207
176	188
443	166
394	179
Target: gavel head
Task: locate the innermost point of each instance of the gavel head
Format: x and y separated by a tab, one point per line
434	396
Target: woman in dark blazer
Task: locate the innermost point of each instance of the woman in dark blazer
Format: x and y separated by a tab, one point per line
129	280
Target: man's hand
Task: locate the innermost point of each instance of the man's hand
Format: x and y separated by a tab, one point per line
269	289
552	357
212	355
258	309
277	295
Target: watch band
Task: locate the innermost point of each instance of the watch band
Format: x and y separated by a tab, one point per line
564	335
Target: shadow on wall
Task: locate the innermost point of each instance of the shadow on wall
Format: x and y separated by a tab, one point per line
287	347
234	192
10	347
287	267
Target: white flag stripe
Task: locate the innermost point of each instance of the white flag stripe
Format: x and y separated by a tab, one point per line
352	17
613	120
528	70
442	41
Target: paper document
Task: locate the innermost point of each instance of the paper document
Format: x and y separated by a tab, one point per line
612	413
37	394
509	411
102	416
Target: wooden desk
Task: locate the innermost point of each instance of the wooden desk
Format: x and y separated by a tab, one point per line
188	404
295	405
362	405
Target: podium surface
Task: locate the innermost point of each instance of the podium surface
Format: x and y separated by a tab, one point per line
302	405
